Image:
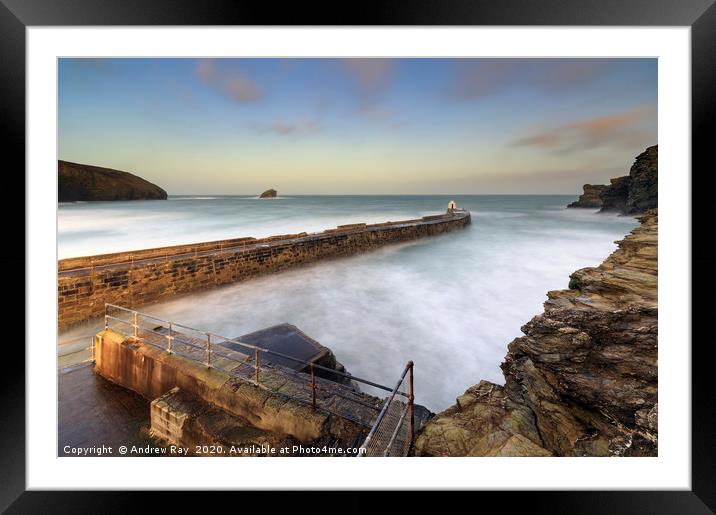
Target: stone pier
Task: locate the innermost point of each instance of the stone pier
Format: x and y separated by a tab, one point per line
274	407
131	279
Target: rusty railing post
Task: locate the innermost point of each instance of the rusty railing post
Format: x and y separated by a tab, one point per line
313	387
411	398
208	350
169	339
136	325
256	366
106	320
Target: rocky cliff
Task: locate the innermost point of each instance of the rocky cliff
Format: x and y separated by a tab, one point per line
268	194
638	191
590	197
583	379
85	182
643	189
614	196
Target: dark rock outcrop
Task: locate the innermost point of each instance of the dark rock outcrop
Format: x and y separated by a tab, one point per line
590	197
268	194
638	191
643	189
583	379
614	197
85	182
290	340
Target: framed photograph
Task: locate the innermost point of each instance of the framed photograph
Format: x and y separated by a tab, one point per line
426	243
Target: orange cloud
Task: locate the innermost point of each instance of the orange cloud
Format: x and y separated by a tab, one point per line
622	129
604	128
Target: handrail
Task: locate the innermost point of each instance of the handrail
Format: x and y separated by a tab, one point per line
212	349
252	347
382	413
386	452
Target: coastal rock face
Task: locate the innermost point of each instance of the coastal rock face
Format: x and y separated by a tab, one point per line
643	189
583	379
638	191
85	182
268	194
483	422
614	196
590	197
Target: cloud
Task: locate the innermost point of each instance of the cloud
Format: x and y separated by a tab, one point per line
371	76
479	78
235	85
558	75
539	140
605	128
483	77
370	73
290	128
622	129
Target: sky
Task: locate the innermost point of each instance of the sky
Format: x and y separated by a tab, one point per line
359	126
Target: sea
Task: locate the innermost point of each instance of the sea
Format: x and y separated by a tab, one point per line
450	303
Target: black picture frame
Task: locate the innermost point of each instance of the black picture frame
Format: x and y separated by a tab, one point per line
700	15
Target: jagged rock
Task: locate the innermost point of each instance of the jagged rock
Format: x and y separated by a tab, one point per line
631	194
614	197
643	190
583	379
85	182
268	194
484	422
638	191
590	197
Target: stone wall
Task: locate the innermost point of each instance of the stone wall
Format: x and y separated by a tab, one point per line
152	372
184	420
131	279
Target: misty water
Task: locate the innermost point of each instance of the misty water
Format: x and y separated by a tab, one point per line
450	303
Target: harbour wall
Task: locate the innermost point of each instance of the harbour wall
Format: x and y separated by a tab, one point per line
131	279
152	372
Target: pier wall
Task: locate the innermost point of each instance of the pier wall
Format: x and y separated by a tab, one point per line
131	279
152	372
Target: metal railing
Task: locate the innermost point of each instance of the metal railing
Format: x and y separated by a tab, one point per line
76	356
246	365
389	435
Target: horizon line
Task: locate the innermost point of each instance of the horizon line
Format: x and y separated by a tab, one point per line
254	195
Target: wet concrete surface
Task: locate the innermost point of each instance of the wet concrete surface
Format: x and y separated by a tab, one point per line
93	412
